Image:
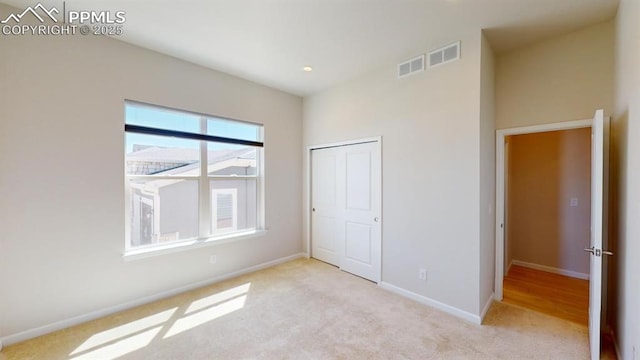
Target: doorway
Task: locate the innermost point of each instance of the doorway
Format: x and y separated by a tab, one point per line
547	222
598	221
503	152
345	199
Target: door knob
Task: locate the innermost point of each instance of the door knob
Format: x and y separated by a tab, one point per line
591	250
606	252
376	219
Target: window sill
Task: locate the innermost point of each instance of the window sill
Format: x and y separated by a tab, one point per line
136	254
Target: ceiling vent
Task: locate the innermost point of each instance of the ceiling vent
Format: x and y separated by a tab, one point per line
411	66
444	54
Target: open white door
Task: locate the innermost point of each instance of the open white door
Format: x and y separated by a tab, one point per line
598	152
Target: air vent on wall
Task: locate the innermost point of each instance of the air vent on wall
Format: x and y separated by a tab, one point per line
411	66
444	54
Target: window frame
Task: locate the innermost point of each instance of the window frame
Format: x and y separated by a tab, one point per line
206	234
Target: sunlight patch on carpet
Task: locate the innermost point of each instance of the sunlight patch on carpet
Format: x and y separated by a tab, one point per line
218	298
124	332
135	335
122	347
191	321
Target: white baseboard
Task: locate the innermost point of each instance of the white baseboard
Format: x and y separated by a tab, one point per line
76	320
573	274
433	303
486	308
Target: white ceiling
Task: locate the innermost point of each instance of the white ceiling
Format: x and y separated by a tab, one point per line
269	41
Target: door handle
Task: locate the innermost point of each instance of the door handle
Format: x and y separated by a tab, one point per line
598	252
376	219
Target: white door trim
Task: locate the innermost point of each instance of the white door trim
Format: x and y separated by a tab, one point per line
307	198
500	175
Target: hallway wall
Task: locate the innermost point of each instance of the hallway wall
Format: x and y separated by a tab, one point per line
546	171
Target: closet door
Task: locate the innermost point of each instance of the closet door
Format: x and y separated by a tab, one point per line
327	210
346	206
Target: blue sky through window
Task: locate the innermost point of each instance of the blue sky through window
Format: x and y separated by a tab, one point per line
144	115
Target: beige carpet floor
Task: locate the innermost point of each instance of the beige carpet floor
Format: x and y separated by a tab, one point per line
306	309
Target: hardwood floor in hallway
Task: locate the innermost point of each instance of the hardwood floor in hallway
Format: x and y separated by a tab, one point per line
552	294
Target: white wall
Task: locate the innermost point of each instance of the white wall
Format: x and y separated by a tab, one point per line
430	128
487	173
626	169
62	178
564	78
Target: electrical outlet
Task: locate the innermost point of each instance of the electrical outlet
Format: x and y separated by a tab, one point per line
422	274
212	259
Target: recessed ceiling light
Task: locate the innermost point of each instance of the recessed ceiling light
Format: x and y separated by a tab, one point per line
307	68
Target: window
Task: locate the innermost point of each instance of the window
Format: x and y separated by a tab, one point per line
189	176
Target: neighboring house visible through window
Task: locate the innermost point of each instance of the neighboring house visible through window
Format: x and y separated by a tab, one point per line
189	176
225	213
